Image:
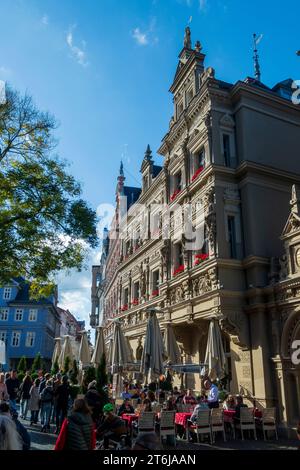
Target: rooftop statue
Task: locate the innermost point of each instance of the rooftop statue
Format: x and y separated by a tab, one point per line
187	38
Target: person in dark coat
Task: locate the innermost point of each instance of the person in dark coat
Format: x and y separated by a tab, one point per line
78	430
62	394
25	395
13	384
94	400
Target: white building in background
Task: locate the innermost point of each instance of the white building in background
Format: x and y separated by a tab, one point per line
71	327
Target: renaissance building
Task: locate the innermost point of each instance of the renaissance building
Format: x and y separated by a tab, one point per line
231	154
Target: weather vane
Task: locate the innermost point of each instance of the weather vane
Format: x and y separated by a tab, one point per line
256	41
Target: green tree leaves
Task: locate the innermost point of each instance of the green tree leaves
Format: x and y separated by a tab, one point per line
45	226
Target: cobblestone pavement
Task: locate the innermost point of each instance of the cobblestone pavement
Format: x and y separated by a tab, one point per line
40	440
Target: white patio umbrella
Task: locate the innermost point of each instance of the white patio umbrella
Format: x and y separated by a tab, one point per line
121	352
99	347
215	356
171	346
66	350
57	350
109	354
84	356
154	353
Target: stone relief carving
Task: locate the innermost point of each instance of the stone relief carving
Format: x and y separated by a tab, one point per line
234	323
283	262
164	258
139	350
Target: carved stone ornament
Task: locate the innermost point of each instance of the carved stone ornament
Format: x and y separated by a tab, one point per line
284	271
235	324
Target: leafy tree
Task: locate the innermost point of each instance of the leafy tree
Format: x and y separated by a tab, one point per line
66	365
45	226
74	373
22	366
37	363
55	368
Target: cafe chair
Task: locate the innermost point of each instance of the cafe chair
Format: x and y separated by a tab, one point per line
146	422
267	422
217	422
202	424
246	421
167	425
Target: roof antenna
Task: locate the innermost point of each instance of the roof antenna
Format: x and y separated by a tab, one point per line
256	41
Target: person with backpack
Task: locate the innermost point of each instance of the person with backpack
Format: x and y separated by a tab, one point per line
78	430
46	405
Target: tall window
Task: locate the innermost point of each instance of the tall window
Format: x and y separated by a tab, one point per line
32	314
155	280
19	314
125	300
16	338
232	236
7	293
136	290
4	314
226	149
189	96
179	109
3	335
30	339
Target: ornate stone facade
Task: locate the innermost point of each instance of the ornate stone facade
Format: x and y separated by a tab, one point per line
238	190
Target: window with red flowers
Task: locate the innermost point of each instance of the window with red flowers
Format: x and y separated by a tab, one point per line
135	293
176	185
155	283
198	163
178	266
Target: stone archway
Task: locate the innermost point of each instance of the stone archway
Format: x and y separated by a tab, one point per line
291	333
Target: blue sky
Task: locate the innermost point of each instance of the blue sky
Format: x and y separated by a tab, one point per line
104	67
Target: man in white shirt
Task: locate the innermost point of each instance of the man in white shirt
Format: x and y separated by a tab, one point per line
213	394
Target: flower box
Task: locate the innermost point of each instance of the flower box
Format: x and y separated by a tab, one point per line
124	308
178	270
200	257
135	301
155	293
197	173
175	194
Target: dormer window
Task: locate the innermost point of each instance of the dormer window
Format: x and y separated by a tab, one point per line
198	163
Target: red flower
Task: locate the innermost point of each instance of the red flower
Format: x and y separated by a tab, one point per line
197	172
200	257
155	293
179	270
135	301
175	193
124	308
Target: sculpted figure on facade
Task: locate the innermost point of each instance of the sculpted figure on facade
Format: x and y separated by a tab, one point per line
283	262
164	259
139	350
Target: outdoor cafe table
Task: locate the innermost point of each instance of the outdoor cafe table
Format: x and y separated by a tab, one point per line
182	418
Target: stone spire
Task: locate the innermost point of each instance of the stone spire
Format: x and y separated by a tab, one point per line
148	154
121	179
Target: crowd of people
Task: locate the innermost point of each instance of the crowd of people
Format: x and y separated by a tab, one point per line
90	418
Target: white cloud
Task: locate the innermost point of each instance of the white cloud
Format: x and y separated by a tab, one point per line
45	20
141	38
78	53
147	37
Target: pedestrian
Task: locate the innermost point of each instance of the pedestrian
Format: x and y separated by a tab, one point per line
25	395
112	427
9	436
213	394
62	394
13	385
94	400
78	431
3	388
46	398
23	433
34	402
